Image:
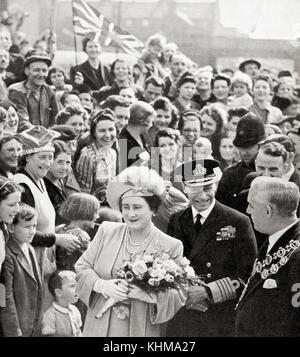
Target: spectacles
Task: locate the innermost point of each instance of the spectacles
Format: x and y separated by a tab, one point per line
188	131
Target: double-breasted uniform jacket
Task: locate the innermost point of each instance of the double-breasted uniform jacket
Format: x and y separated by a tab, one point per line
24	295
266	308
95	79
231	183
224	264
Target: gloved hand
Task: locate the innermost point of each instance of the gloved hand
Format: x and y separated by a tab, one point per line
114	288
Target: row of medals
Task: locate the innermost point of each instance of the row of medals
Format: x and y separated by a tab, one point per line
282	254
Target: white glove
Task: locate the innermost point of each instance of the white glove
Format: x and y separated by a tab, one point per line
114	288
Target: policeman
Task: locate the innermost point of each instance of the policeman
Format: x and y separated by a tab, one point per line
250	131
220	244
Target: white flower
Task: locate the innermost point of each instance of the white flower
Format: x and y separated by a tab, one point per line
161	274
148	258
185	262
153	282
121	274
156	263
139	267
171	266
190	272
169	278
153	272
165	256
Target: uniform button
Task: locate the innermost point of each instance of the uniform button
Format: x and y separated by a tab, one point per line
208	264
208	275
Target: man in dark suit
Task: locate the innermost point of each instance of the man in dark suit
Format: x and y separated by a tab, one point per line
220	244
92	72
270	302
250	131
274	159
291	173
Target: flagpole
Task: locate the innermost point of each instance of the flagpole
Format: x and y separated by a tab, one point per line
51	38
119	15
74	36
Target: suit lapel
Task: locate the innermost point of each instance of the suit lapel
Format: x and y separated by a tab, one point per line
21	258
186	226
205	235
36	265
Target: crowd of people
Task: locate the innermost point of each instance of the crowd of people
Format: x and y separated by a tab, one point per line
108	163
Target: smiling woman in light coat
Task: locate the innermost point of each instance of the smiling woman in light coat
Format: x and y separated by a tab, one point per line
136	192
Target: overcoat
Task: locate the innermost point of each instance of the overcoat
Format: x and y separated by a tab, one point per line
98	262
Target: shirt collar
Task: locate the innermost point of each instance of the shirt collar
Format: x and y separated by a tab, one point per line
204	213
64	310
273	238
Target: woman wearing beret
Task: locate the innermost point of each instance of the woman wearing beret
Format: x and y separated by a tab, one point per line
137	192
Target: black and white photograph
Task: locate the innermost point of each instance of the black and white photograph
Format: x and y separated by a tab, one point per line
149	171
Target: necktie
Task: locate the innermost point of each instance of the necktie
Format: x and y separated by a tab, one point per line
198	224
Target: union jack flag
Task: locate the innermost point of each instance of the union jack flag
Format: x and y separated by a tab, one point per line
88	21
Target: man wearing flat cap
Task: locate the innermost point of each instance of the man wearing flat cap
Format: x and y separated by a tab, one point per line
221	246
250	131
35	100
250	67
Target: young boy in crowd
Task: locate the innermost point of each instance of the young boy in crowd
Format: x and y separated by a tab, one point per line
62	319
22	277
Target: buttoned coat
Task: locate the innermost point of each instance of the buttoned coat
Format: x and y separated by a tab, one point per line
22	314
273	311
213	260
90	79
98	261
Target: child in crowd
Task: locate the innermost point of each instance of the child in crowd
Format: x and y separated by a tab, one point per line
23	278
162	119
241	87
62	319
202	149
81	211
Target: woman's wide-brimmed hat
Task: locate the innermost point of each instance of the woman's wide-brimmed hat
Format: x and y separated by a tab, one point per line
37	139
134	182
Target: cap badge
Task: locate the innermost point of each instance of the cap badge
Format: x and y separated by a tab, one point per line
199	170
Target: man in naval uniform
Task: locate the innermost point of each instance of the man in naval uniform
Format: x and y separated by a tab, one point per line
221	246
270	303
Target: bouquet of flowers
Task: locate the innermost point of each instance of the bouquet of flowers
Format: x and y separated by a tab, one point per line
154	273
